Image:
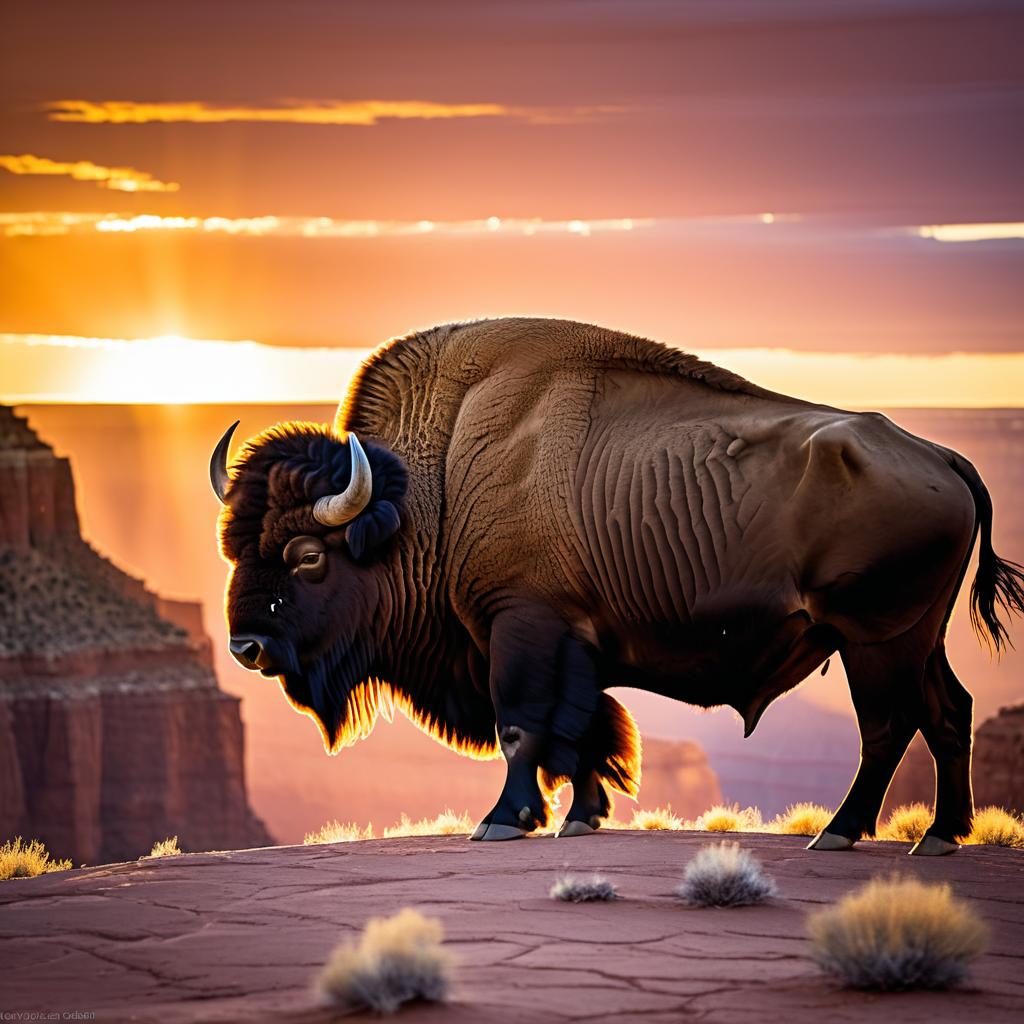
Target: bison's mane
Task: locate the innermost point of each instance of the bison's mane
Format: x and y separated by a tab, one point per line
277	477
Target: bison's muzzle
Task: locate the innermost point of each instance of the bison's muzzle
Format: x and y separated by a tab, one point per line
260	653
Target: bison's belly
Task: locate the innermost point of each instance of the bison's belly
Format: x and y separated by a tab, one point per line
727	656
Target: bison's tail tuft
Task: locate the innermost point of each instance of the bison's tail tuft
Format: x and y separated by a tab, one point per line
999	583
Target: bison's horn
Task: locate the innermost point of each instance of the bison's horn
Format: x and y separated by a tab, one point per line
219	464
338	509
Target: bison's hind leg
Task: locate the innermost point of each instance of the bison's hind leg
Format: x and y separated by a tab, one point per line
885	686
609	758
947	726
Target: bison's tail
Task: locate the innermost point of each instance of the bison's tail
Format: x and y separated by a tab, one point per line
998	583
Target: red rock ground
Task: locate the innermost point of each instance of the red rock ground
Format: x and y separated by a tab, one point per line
240	935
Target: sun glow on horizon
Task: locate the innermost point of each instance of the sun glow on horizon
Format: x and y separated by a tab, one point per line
172	369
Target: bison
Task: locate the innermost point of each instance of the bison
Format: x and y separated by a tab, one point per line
510	516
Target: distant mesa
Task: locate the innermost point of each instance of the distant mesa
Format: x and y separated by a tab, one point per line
113	730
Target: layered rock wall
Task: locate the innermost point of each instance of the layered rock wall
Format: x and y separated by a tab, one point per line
999	760
113	730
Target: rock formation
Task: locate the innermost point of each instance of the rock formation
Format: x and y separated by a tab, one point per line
113	730
999	760
676	773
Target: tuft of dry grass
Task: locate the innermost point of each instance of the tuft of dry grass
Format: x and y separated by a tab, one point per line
447	823
165	848
583	889
804	819
337	832
907	824
897	933
725	875
722	818
661	819
396	960
995	827
19	859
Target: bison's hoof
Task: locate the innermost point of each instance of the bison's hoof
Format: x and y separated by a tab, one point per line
478	832
826	840
574	828
933	846
496	833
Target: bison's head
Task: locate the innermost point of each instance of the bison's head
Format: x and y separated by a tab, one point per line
306	522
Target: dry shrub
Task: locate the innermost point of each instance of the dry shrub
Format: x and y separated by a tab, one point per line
897	934
907	824
802	820
447	823
724	875
581	889
721	818
336	832
19	859
396	960
165	848
995	827
661	819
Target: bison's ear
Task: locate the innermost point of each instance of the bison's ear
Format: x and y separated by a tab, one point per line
368	531
382	516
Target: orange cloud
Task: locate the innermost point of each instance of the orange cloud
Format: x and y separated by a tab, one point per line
972	232
361	113
40	222
122	179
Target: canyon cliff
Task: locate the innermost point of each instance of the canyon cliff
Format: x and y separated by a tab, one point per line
114	732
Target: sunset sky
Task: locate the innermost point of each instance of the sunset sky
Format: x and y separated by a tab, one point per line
842	179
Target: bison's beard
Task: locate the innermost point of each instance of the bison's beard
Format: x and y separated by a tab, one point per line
335	689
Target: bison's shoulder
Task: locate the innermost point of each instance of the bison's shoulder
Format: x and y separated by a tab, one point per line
422	378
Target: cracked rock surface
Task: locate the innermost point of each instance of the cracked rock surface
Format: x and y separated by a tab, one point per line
241	935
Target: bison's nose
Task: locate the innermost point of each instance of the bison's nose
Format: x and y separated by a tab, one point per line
250	650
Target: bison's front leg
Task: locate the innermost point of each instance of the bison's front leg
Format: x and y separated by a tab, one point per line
524	652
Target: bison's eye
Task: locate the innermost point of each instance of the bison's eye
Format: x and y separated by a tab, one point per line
306	557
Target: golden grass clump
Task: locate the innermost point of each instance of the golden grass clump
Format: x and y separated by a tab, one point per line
897	934
583	889
165	848
804	819
19	859
722	818
447	823
995	827
725	875
397	959
907	824
336	832
661	819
